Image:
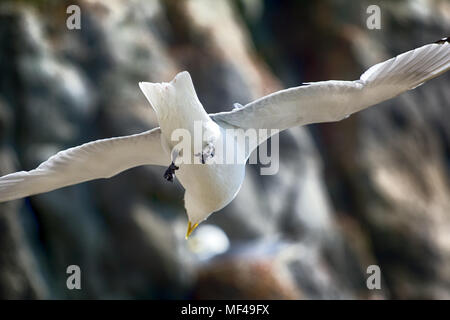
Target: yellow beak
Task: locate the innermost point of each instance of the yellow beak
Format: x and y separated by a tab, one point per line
190	228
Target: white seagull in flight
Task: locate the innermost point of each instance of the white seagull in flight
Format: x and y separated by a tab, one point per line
210	187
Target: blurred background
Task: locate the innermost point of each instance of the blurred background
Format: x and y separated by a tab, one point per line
370	190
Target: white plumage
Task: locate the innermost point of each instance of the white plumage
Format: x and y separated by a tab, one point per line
94	160
210	187
333	100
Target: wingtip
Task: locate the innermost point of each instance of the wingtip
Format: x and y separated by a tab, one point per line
443	40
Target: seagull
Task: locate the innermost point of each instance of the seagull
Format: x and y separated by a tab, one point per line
211	186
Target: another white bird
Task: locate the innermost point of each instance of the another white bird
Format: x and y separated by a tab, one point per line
210	186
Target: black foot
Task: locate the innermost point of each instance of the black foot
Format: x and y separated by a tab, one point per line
208	152
170	172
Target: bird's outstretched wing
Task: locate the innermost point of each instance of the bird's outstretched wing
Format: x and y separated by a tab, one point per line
98	159
327	101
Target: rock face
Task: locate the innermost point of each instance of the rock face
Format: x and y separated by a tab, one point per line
386	168
372	189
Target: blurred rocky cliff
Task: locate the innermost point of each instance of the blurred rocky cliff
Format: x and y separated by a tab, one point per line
373	189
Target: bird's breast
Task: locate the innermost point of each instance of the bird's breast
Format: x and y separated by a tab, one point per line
215	185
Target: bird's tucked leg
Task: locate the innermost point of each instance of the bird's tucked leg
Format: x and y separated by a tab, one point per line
207	152
170	172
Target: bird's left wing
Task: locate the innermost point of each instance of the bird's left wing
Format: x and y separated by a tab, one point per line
98	159
335	100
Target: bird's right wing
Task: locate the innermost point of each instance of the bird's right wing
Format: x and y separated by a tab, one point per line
98	159
334	100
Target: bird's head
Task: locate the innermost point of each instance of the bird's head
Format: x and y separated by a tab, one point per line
197	209
191	227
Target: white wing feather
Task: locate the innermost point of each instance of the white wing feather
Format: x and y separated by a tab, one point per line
334	100
98	159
